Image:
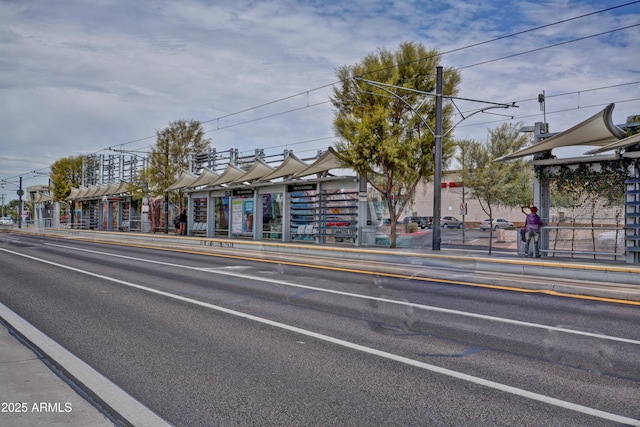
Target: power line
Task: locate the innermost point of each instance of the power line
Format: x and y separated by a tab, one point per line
420	59
548	112
547	47
575	92
583	91
512	35
540	27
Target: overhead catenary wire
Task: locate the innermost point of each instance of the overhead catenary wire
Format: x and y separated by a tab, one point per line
318	88
513	55
306	92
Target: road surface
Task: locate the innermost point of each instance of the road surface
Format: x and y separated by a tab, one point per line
205	340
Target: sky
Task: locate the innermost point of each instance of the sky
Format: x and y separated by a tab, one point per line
82	77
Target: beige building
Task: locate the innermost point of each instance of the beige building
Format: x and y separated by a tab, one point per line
453	196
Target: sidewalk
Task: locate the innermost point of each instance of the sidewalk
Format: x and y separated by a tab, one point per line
33	395
29	385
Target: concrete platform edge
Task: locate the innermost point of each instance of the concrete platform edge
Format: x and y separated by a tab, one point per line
119	404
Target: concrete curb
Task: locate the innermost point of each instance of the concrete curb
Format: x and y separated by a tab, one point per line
615	280
119	404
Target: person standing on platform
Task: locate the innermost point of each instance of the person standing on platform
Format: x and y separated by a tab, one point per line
532	224
183	223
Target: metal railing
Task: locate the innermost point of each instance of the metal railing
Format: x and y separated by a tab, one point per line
581	240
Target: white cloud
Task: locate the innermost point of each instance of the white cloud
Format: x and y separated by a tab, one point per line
77	76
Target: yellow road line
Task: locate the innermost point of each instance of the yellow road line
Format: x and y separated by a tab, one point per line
379	273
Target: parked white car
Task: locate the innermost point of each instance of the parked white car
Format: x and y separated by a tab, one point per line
496	224
6	220
611	239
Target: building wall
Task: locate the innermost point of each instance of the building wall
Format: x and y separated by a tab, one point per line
451	197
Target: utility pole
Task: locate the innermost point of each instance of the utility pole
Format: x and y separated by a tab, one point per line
541	191
20	194
166	196
438	133
437	168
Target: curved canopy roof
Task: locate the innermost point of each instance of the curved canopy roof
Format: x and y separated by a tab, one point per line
92	191
596	130
123	187
73	194
256	171
290	166
623	143
98	191
82	191
260	172
230	174
329	160
102	190
207	177
112	188
186	179
41	198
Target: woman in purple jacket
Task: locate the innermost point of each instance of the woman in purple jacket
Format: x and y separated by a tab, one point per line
532	224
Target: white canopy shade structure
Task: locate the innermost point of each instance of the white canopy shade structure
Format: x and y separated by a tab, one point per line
623	143
123	187
230	174
41	198
82	192
186	179
596	130
256	171
112	188
206	177
92	190
102	190
329	160
73	194
290	166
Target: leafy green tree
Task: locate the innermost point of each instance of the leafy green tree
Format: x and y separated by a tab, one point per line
384	137
172	153
492	183
65	174
633	119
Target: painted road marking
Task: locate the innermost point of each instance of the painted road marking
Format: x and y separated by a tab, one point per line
390	356
225	272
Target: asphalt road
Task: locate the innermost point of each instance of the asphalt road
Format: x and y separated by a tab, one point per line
204	340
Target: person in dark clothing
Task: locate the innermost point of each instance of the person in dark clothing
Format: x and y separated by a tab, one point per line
176	223
183	223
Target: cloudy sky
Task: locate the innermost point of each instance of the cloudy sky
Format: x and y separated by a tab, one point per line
83	76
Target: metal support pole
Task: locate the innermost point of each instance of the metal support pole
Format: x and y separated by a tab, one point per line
437	168
541	192
166	213
20	194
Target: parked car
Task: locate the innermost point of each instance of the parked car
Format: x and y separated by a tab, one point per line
6	220
611	239
426	221
451	222
422	221
496	224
